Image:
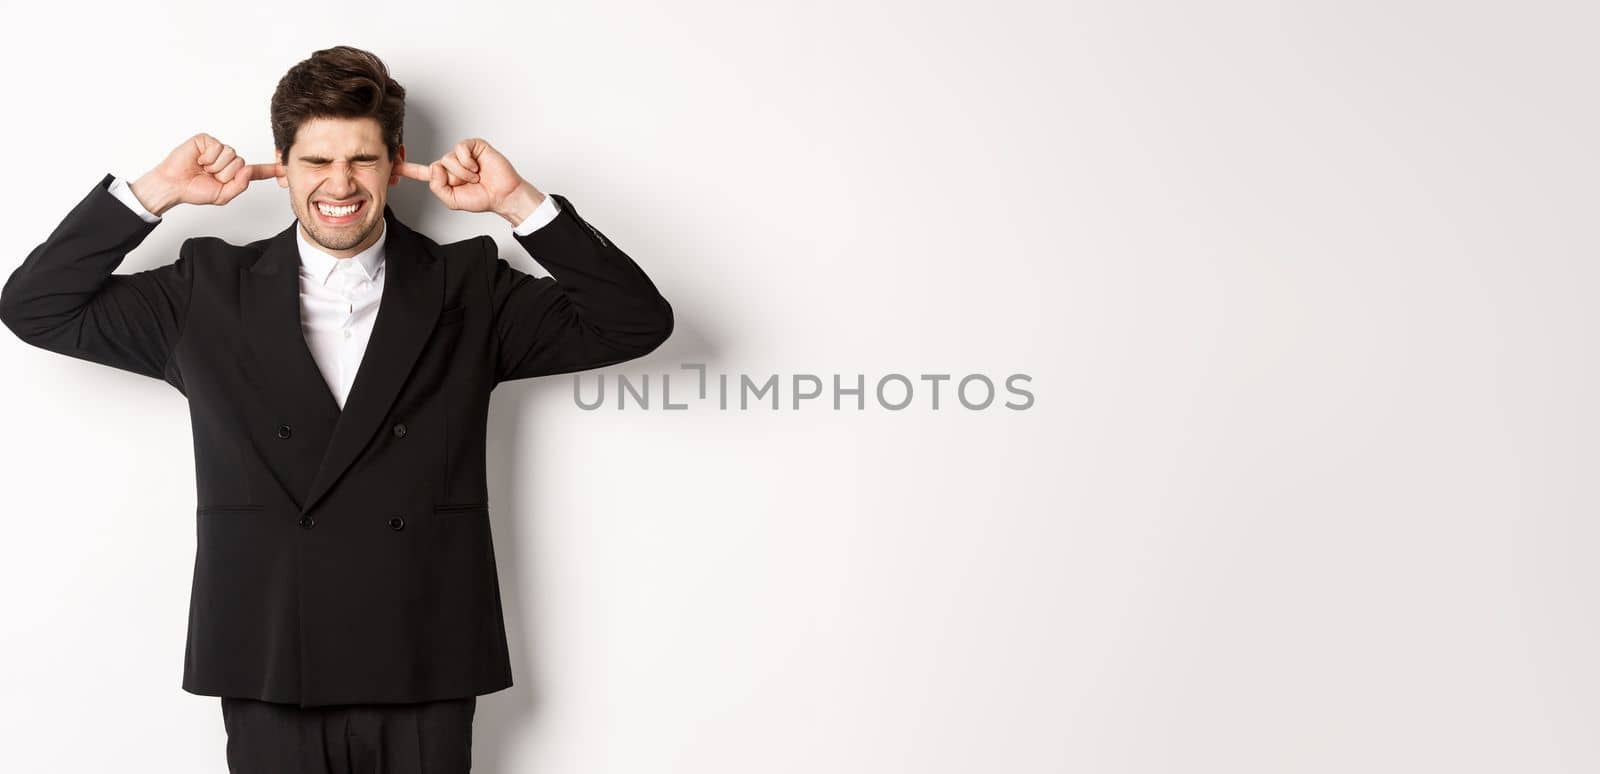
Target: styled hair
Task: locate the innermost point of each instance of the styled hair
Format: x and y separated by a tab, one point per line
338	82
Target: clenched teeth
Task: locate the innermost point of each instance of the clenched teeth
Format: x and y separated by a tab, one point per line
336	212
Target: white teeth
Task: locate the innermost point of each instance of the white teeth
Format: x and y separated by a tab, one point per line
337	211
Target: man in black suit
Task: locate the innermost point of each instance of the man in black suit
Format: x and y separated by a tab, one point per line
345	604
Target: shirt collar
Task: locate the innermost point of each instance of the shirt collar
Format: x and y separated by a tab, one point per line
319	264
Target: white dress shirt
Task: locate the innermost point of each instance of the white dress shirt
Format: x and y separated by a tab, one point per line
339	296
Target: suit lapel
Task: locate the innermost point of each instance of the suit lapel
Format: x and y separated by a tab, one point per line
413	291
287	374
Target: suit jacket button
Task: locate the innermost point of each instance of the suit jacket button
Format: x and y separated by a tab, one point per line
397	523
399	431
307	522
284	431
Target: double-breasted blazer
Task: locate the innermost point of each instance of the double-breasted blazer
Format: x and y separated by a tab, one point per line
341	556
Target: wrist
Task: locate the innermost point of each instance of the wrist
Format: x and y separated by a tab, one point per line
520	204
156	195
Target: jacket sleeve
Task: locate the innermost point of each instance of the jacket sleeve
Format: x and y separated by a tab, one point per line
64	297
596	310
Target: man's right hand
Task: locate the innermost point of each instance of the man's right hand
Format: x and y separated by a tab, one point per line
200	171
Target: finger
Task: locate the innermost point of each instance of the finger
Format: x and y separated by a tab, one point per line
209	149
262	171
438	182
234	186
230	170
464	155
223	159
232	182
415	171
460	170
455	167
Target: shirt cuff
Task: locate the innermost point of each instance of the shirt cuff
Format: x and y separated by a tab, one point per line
124	193
540	217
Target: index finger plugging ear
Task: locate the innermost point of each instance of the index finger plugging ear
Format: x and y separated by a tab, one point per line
264	171
416	171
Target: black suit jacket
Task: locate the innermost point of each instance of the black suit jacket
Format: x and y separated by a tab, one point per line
341	556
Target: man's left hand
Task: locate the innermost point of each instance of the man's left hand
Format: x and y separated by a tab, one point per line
474	177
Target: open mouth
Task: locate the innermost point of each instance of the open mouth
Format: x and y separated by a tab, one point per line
338	215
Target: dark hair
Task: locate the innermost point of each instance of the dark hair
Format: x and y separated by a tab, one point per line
338	82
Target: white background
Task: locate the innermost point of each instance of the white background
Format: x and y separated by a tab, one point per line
1304	289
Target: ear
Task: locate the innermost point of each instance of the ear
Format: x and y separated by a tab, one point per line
283	174
399	161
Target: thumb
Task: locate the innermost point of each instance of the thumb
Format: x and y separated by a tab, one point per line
439	186
235	185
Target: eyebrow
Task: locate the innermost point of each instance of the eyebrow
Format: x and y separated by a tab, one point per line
356	157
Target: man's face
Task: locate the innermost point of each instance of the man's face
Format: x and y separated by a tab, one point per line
340	161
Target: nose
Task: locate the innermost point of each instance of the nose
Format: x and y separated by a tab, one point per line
341	181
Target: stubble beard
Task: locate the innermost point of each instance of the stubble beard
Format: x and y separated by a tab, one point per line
343	238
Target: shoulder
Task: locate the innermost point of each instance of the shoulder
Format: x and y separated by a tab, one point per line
212	253
461	248
461	257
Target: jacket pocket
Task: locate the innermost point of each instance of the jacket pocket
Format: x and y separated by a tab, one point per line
222	508
451	315
449	508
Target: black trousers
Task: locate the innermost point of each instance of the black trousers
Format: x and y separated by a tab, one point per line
428	738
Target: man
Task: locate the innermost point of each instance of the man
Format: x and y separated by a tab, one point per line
345	604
